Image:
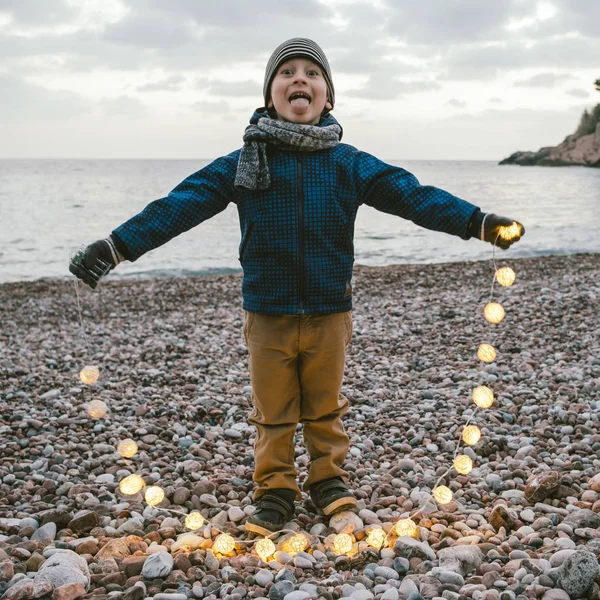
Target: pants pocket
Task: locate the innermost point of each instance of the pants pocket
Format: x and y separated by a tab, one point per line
248	322
348	324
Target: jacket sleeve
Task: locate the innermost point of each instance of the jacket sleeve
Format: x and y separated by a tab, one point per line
196	199
395	191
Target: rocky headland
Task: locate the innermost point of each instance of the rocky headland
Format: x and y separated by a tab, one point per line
575	150
523	525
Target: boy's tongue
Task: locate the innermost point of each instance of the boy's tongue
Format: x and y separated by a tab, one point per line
300	104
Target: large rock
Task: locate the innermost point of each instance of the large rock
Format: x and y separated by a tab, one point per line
69	591
60	518
187	542
64	566
594	482
542	486
574	150
7	570
583	518
502	516
407	547
27	589
346	522
84	522
117	548
46	533
158	566
576	575
460	559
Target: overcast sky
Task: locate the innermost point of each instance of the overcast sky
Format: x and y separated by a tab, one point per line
414	79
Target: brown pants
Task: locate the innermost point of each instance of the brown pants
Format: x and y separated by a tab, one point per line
296	370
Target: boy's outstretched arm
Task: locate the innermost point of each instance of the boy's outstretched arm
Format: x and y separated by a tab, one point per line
395	191
196	199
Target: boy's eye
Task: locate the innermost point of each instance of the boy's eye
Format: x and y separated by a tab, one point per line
310	72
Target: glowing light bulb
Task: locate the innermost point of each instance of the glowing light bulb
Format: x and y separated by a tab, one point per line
471	435
406	527
463	464
97	409
194	520
223	544
154	495
265	548
342	543
486	353
376	538
494	312
127	448
505	276
89	374
131	485
298	543
483	396
442	494
511	232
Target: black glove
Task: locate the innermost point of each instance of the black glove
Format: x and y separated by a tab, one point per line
96	261
495	229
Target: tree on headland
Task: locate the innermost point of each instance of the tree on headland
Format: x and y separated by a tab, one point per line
589	118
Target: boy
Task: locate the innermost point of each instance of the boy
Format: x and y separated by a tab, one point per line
297	190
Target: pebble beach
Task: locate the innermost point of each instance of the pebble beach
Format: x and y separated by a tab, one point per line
523	524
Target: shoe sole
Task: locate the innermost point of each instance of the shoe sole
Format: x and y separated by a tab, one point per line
340	505
256	528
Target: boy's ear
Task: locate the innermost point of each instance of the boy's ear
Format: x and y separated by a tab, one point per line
328	105
270	103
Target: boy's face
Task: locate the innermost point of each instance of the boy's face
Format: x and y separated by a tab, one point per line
299	75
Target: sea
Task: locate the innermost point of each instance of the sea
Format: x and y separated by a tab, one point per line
49	208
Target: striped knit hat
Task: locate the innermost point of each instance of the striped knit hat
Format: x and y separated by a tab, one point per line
294	48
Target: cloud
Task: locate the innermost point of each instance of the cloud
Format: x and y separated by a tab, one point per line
123	106
383	86
237	13
486	62
248	87
203	106
545	80
171	84
456	103
39	12
150	31
580	17
442	22
578	93
23	101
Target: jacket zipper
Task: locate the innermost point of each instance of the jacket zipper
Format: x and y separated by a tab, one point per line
300	237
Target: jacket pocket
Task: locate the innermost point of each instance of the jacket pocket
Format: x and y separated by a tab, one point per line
246	236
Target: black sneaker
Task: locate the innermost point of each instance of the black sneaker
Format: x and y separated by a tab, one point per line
273	510
332	496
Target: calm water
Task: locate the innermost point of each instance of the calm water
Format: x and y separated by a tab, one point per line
50	207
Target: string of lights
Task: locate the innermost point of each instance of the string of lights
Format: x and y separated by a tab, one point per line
342	543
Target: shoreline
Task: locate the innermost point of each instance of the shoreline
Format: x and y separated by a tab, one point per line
225	272
174	375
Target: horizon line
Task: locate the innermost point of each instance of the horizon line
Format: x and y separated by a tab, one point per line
215	158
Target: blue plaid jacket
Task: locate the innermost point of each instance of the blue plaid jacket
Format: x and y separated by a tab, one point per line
297	247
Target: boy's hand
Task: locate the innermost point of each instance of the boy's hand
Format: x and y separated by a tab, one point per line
501	231
97	257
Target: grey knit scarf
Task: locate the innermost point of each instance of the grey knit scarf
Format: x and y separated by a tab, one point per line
253	168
